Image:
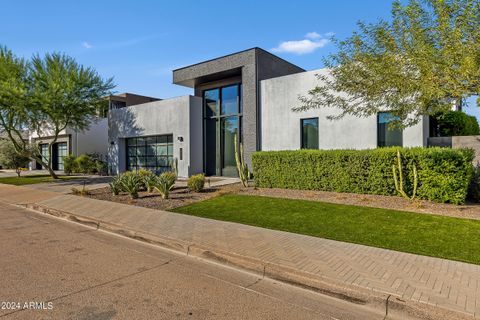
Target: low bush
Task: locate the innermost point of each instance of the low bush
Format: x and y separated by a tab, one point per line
85	164
69	164
101	168
196	182
443	174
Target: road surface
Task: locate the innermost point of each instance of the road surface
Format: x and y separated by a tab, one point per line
54	269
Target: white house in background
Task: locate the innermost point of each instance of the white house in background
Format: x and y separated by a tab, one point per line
94	140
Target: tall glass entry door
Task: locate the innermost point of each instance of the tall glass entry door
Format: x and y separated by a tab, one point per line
222	118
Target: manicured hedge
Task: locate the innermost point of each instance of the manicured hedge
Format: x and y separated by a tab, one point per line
443	174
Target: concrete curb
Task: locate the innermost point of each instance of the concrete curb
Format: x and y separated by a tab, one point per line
393	306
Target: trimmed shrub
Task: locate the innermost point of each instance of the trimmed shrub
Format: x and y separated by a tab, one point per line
443	174
196	182
457	123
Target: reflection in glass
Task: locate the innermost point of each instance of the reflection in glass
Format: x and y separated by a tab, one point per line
309	133
388	137
230	100
230	132
211	102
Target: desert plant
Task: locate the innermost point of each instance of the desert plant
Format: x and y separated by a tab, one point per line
82	192
142	173
131	184
165	184
116	185
149	181
196	182
69	164
399	185
242	168
170	176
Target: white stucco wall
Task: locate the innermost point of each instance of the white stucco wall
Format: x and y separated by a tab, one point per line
180	117
281	125
93	140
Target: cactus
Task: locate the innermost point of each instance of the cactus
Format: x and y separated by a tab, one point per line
242	168
399	179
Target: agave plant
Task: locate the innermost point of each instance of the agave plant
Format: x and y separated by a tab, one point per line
131	184
116	185
149	181
165	184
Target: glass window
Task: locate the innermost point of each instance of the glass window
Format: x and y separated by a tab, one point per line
153	153
62	153
211	98
230	100
388	137
309	133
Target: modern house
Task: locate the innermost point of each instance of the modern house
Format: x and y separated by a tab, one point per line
247	96
94	140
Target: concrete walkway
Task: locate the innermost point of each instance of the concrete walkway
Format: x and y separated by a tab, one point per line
339	268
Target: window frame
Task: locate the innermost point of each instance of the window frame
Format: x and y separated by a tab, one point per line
301	133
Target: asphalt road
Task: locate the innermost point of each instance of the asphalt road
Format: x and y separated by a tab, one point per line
54	269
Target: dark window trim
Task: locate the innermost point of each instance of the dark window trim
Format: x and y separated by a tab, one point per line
127	160
301	130
239	116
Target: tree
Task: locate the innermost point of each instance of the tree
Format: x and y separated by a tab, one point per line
422	62
47	95
10	158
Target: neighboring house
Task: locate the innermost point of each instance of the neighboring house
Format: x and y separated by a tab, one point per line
94	140
248	95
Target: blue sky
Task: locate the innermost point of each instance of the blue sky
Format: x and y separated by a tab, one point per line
140	42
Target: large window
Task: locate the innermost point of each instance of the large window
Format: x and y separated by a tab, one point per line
309	133
388	137
44	152
152	153
222	123
61	154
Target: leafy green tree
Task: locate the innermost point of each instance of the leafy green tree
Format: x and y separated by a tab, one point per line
425	60
10	158
47	95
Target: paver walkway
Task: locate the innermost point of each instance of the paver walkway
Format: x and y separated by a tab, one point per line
452	285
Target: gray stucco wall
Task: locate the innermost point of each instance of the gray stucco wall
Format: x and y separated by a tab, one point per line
178	116
281	126
252	65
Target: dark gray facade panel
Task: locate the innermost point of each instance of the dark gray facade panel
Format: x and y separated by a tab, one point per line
251	66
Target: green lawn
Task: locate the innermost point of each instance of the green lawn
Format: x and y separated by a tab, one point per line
431	235
24	180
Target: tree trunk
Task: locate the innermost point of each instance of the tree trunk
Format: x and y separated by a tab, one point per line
51	172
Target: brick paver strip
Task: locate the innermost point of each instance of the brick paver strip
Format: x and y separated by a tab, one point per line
450	284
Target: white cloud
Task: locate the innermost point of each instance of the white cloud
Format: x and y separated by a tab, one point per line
312	42
86	45
313	35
